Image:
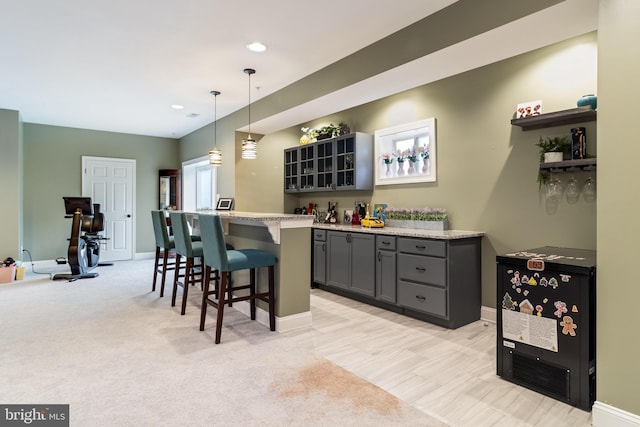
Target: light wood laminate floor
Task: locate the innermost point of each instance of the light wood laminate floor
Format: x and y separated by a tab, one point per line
448	374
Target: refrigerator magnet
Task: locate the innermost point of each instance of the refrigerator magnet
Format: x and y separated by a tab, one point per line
561	307
568	327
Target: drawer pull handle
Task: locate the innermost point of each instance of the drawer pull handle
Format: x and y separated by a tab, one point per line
421	247
421	269
421	298
386	243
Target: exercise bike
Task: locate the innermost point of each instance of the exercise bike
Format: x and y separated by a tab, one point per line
83	254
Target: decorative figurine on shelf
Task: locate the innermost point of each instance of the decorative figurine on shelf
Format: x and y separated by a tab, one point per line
578	143
332	213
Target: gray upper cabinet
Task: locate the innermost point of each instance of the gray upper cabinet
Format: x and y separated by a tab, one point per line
341	163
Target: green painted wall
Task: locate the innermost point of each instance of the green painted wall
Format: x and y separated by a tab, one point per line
53	160
11	164
618	349
487	168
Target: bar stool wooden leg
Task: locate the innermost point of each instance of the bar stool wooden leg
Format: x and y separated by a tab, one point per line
252	293
185	291
272	299
221	302
155	268
175	281
205	296
165	263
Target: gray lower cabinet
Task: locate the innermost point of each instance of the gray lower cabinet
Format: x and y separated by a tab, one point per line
440	280
351	262
437	280
319	256
386	269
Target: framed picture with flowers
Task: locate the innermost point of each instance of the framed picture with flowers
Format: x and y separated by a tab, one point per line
406	153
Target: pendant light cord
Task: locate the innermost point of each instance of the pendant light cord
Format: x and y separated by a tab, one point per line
249	71
215	120
250	104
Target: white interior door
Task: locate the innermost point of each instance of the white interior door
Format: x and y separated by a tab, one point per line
111	183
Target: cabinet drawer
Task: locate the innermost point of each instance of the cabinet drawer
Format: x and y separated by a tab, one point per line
422	246
423	298
423	269
320	235
387	243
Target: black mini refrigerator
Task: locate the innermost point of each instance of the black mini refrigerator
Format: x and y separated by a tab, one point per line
546	326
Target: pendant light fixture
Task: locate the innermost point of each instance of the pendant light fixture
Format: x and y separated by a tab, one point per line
249	145
215	155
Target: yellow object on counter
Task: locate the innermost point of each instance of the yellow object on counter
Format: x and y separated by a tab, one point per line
370	222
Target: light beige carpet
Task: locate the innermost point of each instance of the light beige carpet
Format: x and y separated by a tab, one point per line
122	356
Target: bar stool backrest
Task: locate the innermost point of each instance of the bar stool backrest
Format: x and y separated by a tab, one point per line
181	234
214	247
160	229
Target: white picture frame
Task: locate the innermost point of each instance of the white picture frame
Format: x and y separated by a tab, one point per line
409	141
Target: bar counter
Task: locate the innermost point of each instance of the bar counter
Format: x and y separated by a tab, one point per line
288	237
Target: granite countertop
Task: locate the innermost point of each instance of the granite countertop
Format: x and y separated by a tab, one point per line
273	221
256	216
408	232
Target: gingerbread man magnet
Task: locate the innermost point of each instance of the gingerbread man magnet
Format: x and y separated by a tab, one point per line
568	327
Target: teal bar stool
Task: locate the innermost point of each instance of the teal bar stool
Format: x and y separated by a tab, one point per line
217	256
165	246
190	250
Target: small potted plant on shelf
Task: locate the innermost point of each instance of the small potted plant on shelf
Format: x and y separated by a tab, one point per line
551	150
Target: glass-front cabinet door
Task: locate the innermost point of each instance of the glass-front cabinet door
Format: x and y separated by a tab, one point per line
307	167
325	164
345	161
291	174
169	189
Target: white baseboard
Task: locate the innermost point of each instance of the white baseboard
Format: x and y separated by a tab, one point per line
488	314
283	324
603	415
144	255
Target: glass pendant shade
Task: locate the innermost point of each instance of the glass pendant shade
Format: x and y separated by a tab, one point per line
249	148
215	155
249	145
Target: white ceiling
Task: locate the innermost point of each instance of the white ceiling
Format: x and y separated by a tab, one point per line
119	65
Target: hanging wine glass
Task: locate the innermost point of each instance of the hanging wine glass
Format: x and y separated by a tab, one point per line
554	190
589	190
554	193
573	190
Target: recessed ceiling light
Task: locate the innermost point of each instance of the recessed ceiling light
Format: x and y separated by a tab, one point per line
256	47
177	106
